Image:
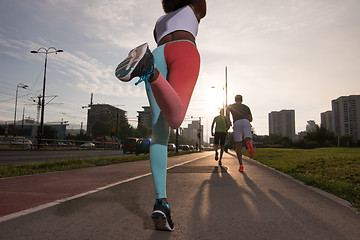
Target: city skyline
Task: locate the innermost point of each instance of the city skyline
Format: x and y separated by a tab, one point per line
279	55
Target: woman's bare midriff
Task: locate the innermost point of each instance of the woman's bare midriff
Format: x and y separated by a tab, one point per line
177	35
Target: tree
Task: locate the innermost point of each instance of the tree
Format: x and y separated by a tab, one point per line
142	131
321	137
125	130
346	141
274	140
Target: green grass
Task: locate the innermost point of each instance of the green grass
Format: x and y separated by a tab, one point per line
335	170
72	163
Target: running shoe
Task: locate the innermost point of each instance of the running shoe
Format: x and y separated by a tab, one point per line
241	168
216	156
220	163
139	63
250	148
161	216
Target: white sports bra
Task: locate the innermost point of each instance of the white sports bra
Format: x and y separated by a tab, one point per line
182	19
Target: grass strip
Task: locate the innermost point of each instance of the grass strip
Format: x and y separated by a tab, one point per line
71	163
335	170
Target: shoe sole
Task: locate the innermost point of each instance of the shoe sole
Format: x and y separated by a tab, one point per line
160	221
250	149
126	67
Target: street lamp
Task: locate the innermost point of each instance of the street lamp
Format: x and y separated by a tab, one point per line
46	51
21	85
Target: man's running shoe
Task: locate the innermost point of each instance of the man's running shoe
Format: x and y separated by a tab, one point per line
220	163
161	216
139	63
216	156
250	148
241	168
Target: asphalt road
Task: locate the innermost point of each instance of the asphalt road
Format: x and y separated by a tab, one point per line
208	202
32	156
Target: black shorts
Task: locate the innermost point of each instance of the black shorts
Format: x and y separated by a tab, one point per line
220	138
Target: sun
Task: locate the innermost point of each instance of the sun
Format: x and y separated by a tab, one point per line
214	100
216	97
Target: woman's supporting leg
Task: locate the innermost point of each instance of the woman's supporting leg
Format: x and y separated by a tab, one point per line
160	134
158	148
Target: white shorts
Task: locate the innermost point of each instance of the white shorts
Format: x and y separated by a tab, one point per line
242	129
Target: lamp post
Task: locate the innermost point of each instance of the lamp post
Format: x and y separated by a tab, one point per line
200	134
226	102
21	85
45	51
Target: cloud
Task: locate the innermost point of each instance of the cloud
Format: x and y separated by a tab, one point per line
110	22
276	51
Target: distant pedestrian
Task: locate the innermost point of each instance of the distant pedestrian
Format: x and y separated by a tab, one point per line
222	125
242	117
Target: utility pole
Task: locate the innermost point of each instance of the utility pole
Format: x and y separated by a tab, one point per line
226	98
200	134
177	140
46	52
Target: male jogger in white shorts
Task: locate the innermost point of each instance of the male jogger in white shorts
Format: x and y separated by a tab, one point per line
242	117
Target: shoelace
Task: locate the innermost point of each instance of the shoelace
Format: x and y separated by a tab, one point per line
144	77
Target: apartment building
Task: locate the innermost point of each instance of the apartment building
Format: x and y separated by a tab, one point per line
104	113
327	120
192	130
282	123
144	117
346	116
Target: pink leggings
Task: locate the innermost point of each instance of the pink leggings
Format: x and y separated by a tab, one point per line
173	93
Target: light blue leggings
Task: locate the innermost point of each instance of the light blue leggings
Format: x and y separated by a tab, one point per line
160	133
173	88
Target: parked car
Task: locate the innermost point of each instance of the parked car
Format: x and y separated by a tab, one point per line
143	146
185	147
129	145
87	145
171	147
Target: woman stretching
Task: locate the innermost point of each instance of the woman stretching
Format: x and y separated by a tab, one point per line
170	74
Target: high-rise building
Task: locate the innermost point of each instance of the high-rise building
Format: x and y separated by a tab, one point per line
144	117
327	120
282	123
346	116
191	132
104	113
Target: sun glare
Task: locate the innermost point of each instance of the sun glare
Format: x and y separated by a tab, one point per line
215	97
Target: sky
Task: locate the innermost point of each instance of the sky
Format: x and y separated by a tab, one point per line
279	54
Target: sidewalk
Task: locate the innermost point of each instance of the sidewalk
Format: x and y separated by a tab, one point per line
208	202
